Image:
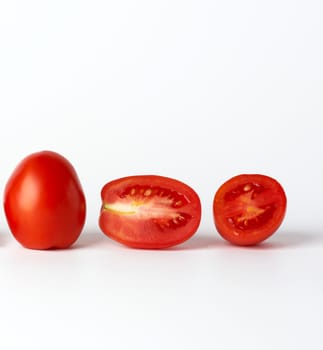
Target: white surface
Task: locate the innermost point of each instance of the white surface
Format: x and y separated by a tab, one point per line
195	90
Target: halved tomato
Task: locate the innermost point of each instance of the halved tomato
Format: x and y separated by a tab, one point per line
149	211
248	209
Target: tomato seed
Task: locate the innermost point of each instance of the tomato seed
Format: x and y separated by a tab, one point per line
133	191
247	188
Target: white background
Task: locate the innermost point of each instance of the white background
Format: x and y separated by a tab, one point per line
195	90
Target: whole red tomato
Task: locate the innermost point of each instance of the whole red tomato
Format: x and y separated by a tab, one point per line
44	202
149	211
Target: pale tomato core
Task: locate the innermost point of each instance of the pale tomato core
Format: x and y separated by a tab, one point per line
248	206
159	204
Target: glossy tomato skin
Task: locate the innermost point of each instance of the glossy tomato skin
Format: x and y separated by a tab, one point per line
44	202
249	208
149	211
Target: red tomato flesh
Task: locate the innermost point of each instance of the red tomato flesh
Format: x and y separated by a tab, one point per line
248	209
149	211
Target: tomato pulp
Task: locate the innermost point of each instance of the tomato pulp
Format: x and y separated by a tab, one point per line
44	202
149	211
249	208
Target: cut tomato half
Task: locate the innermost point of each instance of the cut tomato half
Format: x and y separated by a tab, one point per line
149	211
249	208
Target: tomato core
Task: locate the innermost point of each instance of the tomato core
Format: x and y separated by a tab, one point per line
248	206
150	202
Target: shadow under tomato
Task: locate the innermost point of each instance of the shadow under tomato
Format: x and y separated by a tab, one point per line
94	238
90	238
289	239
5	238
281	240
295	238
199	241
204	240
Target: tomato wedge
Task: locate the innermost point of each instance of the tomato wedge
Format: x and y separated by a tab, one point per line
249	208
149	211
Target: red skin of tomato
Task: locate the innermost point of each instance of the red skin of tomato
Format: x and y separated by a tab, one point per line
149	211
249	208
44	202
